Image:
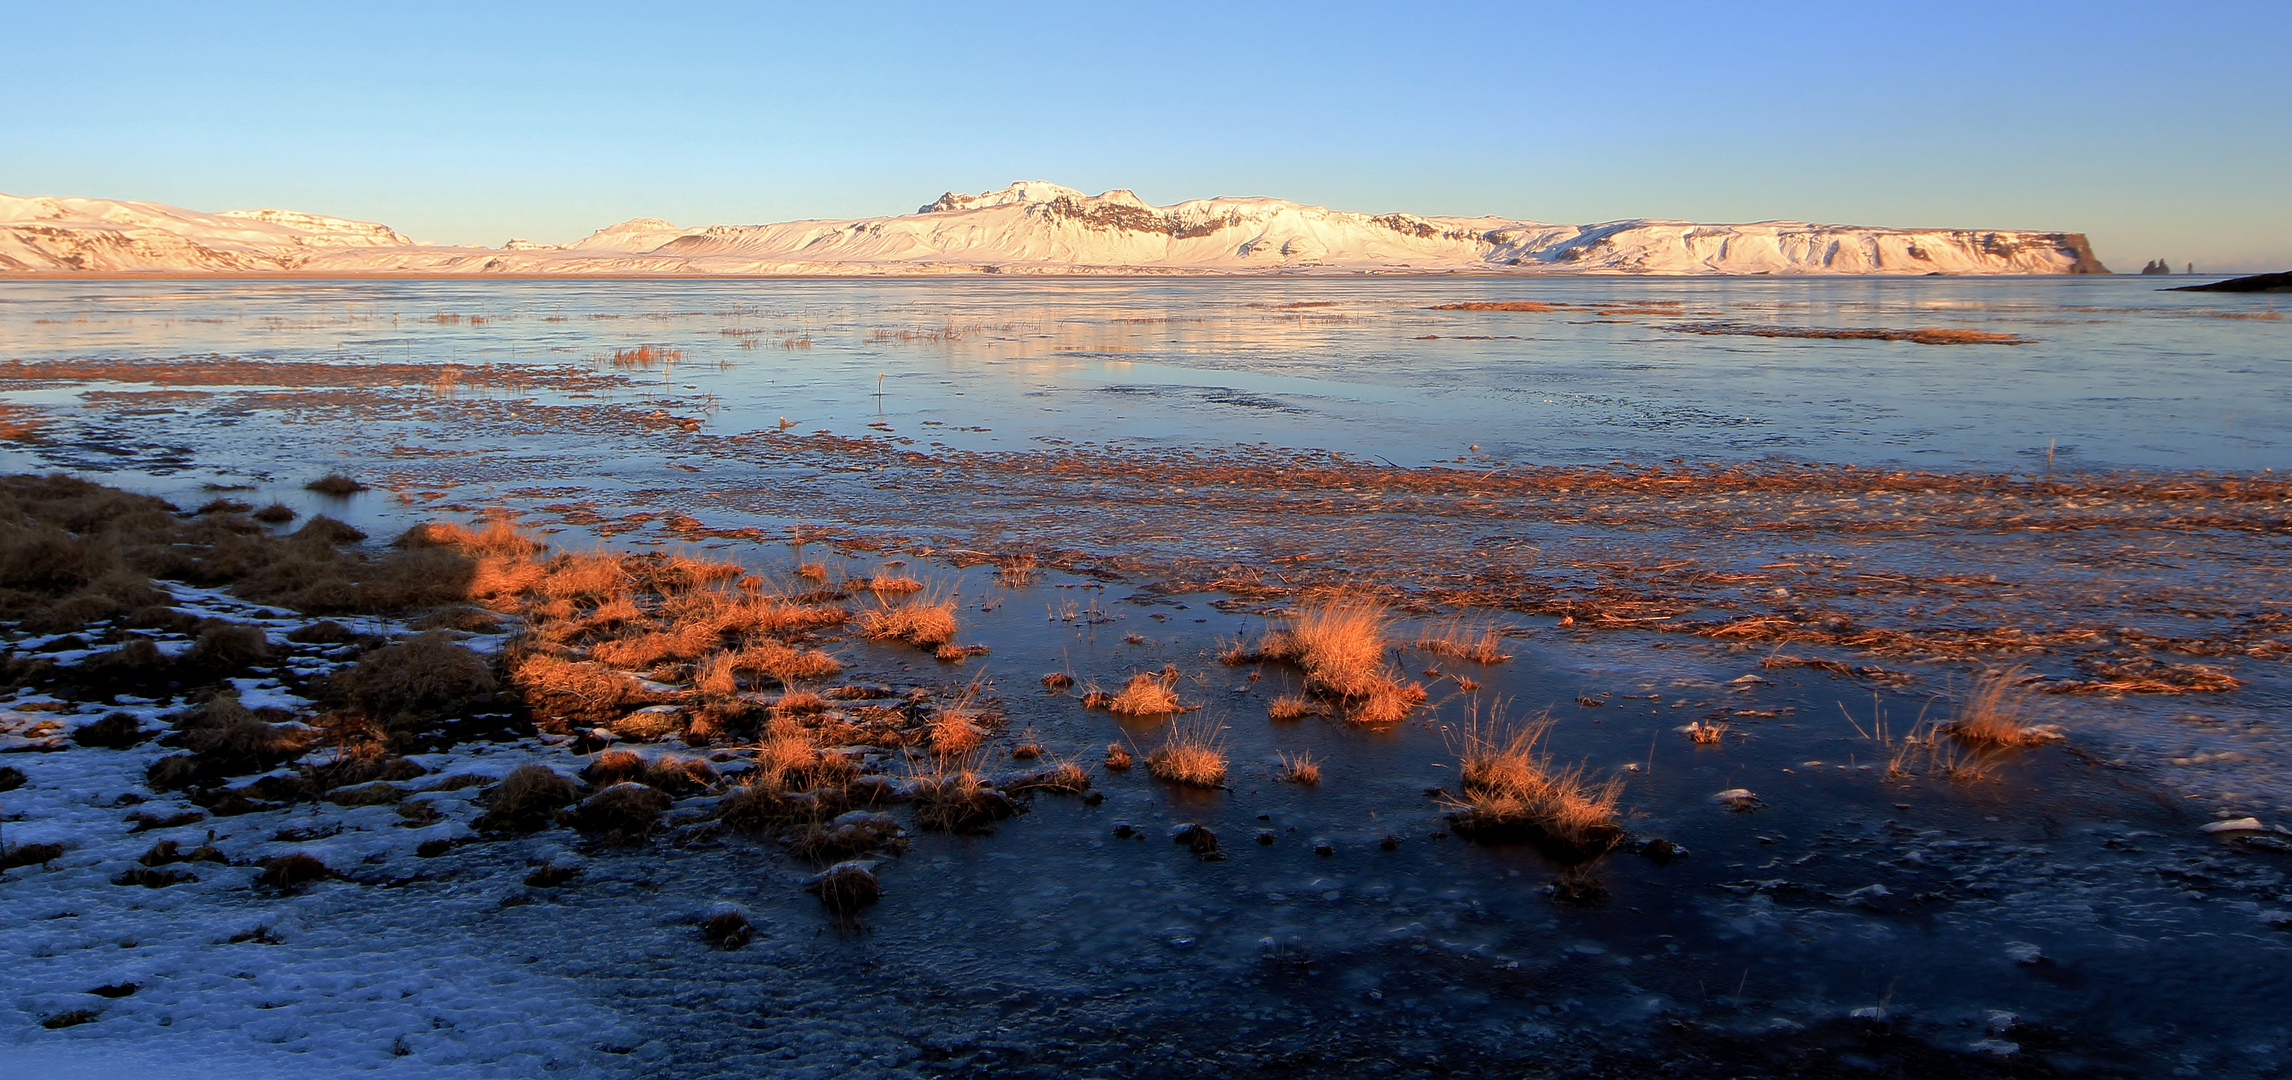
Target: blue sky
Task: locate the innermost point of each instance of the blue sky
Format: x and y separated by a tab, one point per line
2160	129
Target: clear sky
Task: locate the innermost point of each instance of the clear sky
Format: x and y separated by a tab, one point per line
2160	129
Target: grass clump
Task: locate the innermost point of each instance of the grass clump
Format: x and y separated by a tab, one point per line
1293	707
116	731
1339	644
1995	714
292	870
419	677
626	812
524	800
1463	640
959	800
335	484
1513	791
1299	768
1147	695
15	855
275	514
727	927
1193	757
926	622
846	888
1065	778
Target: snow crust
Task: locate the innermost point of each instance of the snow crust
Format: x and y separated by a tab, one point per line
1029	227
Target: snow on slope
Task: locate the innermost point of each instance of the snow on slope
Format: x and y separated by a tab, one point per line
1029	227
101	234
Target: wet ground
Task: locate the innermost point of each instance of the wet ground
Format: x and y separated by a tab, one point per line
2060	914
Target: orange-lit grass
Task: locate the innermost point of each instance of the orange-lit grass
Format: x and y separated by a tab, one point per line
1996	712
1512	788
1299	768
926	622
1193	756
1464	640
1146	695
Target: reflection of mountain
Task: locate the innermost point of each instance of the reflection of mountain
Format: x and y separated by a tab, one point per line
1029	227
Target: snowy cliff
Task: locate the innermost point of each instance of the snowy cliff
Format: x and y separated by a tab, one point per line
1030	227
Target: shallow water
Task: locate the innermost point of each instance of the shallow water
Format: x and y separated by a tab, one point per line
2117	374
2158	944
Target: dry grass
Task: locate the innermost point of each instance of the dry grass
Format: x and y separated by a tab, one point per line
926	622
416	678
955	732
335	484
1703	734
1512	790
885	585
727	927
1065	777
1299	768
1996	713
955	798
846	888
626	812
1339	643
1464	640
1147	695
1921	336
1294	707
1192	756
1117	757
291	870
525	798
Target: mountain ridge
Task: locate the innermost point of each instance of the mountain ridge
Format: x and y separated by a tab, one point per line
1028	227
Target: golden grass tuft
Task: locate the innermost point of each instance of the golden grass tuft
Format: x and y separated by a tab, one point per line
958	799
1194	757
1065	777
1512	789
799	703
885	586
1340	645
1117	758
955	731
1299	768
926	622
1996	712
1146	695
1293	707
1464	640
1703	734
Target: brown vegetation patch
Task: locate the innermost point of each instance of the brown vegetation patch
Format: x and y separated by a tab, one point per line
1513	791
524	800
1147	695
1923	336
1996	712
846	888
292	870
926	622
1190	756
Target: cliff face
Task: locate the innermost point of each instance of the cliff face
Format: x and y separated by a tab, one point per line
1029	227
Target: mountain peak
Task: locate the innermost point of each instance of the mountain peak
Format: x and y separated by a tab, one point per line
1021	192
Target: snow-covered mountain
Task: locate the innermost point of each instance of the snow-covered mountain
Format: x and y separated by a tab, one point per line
1030	227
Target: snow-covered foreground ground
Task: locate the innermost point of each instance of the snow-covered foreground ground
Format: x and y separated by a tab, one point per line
385	972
